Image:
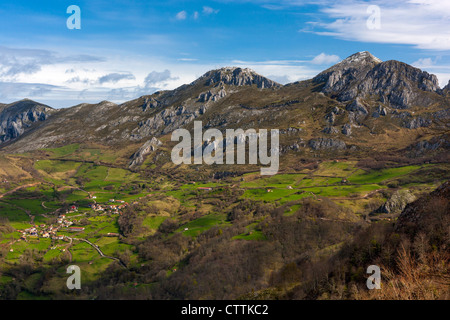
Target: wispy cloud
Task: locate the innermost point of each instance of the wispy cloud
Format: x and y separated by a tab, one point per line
182	15
12	89
77	79
116	77
16	61
421	23
187	59
324	58
156	77
423	63
208	10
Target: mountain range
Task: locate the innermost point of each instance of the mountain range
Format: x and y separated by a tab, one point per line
361	104
363	181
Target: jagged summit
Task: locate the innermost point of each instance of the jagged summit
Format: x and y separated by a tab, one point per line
238	77
397	84
17	117
360	62
361	57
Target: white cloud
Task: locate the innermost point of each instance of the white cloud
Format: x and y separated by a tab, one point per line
421	23
443	78
155	77
115	77
77	79
16	62
208	10
187	59
181	15
324	58
423	63
65	84
11	89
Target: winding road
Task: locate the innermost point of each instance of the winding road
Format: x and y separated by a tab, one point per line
100	251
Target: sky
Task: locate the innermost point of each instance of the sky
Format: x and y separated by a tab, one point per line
128	48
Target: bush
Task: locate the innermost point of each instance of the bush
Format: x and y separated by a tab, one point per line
168	226
393	184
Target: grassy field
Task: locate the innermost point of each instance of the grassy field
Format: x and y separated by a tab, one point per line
276	181
64	151
196	227
251	236
12	213
377	176
153	222
336	168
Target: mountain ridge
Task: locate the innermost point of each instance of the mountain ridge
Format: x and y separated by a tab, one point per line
339	109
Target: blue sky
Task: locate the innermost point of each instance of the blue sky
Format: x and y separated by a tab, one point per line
126	49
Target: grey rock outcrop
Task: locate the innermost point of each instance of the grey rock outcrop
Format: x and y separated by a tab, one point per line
330	130
210	95
380	111
357	110
237	77
18	117
290	130
397	83
397	202
150	103
330	117
417	122
149	146
347	129
168	120
326	143
425	146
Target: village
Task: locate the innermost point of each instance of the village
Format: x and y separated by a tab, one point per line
66	223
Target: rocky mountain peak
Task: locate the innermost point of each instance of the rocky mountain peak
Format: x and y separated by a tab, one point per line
238	77
17	117
342	75
360	57
359	62
397	84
